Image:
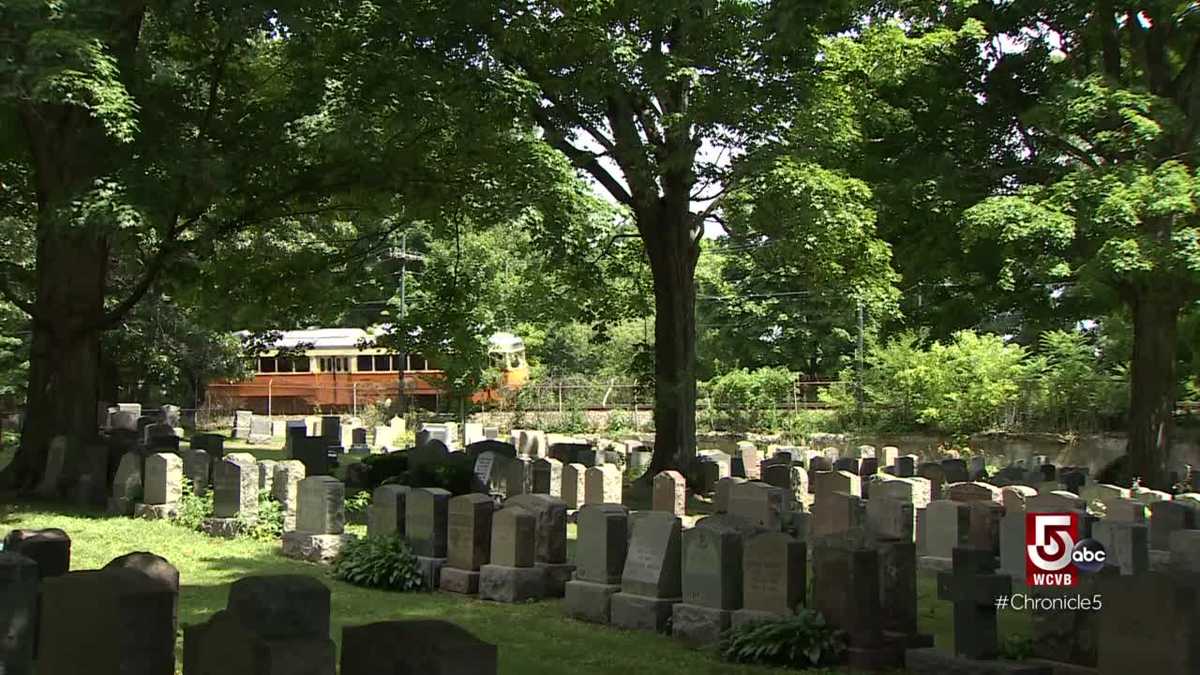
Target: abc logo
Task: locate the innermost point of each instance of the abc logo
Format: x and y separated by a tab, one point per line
1089	556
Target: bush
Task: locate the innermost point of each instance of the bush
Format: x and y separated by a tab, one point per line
800	641
743	400
193	508
456	477
379	562
358	502
383	467
268	525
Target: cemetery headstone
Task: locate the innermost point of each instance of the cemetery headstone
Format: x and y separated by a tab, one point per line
651	579
115	621
429	647
271	625
18	607
851	601
126	485
600	553
973	587
386	514
774	576
711	579
670	493
574	485
511	575
163	487
469	541
235	494
426	513
547	476
602	485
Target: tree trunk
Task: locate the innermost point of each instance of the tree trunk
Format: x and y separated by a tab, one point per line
673	252
64	360
1152	390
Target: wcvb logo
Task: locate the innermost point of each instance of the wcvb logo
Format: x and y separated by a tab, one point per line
1054	554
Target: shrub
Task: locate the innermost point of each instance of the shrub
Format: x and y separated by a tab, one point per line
379	562
193	508
268	524
744	400
800	641
383	467
457	477
358	502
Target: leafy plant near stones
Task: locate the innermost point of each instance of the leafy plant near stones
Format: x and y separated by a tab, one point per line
193	508
1017	648
379	562
358	502
800	641
268	525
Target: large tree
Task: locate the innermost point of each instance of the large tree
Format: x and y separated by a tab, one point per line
147	134
1104	100
651	100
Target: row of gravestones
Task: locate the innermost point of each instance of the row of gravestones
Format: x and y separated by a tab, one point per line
945	482
150	487
980	516
122	620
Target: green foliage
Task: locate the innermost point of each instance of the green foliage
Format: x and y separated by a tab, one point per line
385	466
457	477
1016	648
743	400
379	562
981	383
267	525
358	502
193	508
800	641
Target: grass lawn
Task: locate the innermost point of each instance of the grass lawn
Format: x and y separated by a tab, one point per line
533	638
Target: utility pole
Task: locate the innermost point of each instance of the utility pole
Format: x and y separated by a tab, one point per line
403	256
859	383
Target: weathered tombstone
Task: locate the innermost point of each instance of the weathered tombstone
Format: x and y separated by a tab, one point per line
751	460
241	423
213	444
956	470
547	477
551	539
889	518
837	512
936	475
847	464
757	503
973	492
973	587
518	474
1167	518
429	647
947	525
425	520
271	625
51	485
774	577
469	541
385	515
126	485
49	548
793	480
670	493
18	608
196	467
906	466
115	621
722	491
651	579
1012	529
600	553
1163	637
898	590
285	487
235	494
712	579
602	485
159	569
851	600
320	521
511	576
1127	545
574	485
163	487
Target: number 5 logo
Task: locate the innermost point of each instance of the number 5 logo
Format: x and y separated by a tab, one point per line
1053	538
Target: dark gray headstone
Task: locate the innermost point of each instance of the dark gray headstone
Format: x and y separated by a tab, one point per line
425	521
973	587
49	548
469	531
653	563
427	647
551	527
603	540
114	621
18	607
955	470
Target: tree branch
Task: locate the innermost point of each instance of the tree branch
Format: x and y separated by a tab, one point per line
12	296
583	159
